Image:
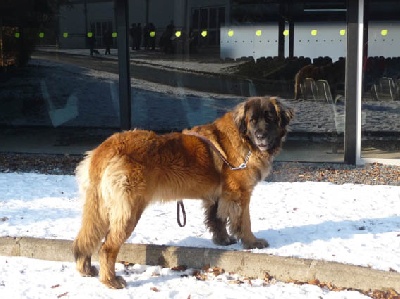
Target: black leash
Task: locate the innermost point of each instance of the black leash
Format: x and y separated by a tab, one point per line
180	207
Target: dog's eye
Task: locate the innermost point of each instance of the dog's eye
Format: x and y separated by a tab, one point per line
270	117
253	120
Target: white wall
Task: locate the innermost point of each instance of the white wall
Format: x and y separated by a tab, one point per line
386	46
327	41
245	41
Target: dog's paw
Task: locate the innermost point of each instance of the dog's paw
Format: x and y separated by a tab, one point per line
90	272
225	241
256	244
116	283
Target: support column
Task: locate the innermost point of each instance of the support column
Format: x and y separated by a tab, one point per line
281	28
281	38
122	17
352	134
291	38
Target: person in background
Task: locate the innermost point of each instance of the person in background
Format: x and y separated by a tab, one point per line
107	39
132	33
138	36
91	40
146	36
166	38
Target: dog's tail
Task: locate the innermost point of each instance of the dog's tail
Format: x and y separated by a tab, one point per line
94	225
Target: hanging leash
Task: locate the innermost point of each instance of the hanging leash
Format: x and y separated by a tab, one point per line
180	207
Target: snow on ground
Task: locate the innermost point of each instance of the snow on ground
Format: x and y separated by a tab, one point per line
354	224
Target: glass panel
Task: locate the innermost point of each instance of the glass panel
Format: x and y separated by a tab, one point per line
381	86
195	19
204	18
213	18
221	16
54	96
189	65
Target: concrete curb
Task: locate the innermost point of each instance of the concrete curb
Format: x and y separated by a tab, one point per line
245	263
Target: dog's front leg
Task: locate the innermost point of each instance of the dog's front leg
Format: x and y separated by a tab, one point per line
240	223
216	224
246	235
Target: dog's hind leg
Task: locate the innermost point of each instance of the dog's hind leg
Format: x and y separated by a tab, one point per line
126	202
217	225
93	229
120	230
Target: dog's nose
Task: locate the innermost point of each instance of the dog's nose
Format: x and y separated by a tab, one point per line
260	134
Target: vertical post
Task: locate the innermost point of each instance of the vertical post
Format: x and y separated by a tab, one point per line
57	25
281	38
147	12
85	15
366	26
291	38
122	17
352	136
228	16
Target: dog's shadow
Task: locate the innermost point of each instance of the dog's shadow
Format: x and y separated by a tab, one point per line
328	230
307	234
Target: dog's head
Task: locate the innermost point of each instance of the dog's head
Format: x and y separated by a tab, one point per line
264	121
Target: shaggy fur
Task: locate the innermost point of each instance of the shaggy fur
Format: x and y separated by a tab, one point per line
132	169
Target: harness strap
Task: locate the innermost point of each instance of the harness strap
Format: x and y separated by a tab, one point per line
215	149
180	207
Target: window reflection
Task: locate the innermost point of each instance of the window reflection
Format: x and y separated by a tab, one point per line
381	101
192	60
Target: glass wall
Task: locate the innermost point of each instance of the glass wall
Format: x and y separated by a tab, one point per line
381	86
190	62
56	94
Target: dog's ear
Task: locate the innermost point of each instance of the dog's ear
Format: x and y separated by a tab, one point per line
239	117
287	114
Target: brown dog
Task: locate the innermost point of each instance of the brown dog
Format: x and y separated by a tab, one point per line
130	170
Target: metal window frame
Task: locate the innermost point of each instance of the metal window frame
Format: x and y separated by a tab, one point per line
353	82
122	22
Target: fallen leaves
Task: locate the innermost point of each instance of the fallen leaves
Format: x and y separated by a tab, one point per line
60	295
386	294
329	286
375	294
207	273
179	268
